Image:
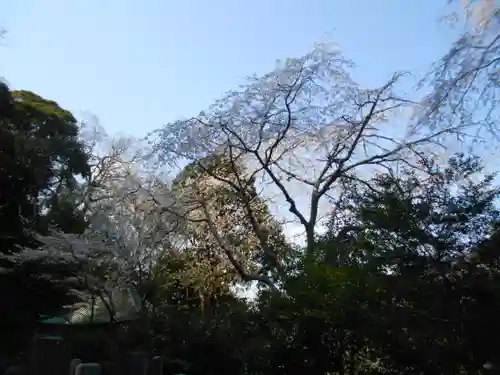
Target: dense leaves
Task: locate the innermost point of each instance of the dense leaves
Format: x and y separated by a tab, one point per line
40	158
411	290
422	236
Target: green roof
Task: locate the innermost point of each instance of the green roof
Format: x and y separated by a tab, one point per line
125	304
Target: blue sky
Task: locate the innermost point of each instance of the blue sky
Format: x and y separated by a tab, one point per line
138	65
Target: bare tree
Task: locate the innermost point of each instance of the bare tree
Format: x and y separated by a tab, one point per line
304	130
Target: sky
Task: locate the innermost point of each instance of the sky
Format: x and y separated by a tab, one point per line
139	65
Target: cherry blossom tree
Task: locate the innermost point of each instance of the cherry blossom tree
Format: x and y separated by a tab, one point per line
126	232
464	82
304	131
92	271
119	201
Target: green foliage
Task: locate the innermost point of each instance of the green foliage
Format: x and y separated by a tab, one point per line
403	291
321	324
40	159
414	221
418	235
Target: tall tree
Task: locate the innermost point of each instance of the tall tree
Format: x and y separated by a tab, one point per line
304	130
424	240
40	157
228	228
